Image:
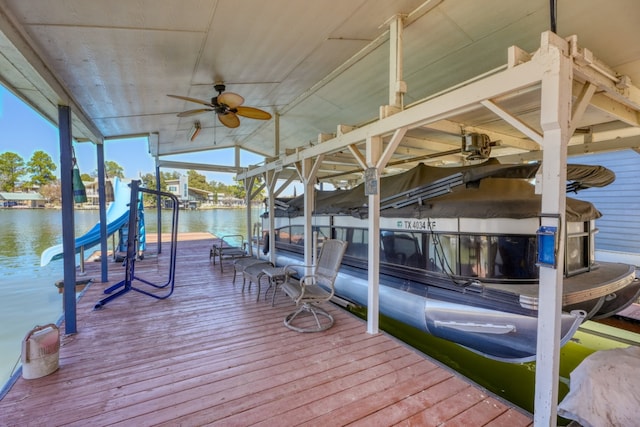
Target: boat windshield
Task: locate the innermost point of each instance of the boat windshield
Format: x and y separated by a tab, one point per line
483	256
480	256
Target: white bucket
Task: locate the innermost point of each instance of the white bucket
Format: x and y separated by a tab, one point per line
40	351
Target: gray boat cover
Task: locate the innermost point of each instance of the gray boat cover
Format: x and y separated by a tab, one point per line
490	190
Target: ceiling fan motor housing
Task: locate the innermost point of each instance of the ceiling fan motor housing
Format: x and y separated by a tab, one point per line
227	106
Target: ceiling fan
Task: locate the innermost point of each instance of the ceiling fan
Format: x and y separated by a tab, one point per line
228	106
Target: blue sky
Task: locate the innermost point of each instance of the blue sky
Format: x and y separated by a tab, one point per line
24	131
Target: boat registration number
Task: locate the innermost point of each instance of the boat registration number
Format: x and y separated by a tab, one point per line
416	224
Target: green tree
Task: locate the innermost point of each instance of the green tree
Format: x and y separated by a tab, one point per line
149	181
11	169
215	188
166	176
197	180
113	169
86	177
237	190
257	183
41	168
220	188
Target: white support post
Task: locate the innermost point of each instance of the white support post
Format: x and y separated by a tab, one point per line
374	152
397	87
248	186
309	172
276	139
270	178
309	202
555	120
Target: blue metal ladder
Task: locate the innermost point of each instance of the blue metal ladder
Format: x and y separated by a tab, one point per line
126	285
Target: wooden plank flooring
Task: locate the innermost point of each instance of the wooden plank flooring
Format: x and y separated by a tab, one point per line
212	355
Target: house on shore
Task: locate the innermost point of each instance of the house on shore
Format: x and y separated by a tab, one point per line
22	200
190	198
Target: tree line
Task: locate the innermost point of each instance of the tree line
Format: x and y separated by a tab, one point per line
40	170
38	174
195	180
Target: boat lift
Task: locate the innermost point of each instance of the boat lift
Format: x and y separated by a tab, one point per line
126	285
424	192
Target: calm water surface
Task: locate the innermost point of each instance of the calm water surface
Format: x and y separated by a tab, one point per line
28	296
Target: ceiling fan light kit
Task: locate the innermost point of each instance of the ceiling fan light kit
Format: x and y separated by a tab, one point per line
227	106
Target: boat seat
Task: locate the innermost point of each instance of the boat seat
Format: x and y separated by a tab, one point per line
358	250
313	288
402	249
416	260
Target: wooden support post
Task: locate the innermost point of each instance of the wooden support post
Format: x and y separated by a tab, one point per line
248	186
270	178
309	172
555	119
397	86
372	189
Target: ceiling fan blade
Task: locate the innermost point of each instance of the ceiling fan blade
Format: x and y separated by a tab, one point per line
230	99
229	119
186	98
253	113
193	112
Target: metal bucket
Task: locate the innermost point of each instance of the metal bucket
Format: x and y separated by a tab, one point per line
40	351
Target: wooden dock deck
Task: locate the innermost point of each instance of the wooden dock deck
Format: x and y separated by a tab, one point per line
212	355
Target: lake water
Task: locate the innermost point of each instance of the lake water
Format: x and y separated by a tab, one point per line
28	296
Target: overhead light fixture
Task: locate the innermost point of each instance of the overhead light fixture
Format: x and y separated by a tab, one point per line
195	130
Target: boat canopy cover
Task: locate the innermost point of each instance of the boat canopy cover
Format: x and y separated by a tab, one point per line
490	190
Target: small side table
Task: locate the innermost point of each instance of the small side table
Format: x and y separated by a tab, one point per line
241	264
254	273
276	276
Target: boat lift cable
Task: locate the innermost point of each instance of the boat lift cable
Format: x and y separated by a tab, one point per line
444	262
126	285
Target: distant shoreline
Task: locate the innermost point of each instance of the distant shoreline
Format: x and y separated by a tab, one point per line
94	207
